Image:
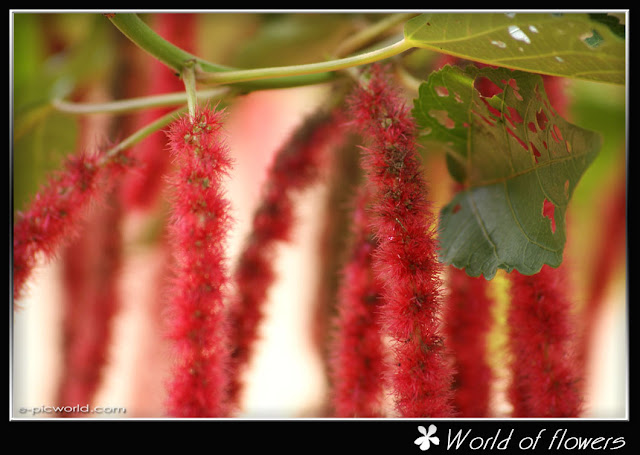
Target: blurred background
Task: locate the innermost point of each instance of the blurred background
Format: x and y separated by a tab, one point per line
82	56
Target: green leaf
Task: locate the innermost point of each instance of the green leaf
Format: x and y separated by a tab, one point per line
36	154
514	156
571	45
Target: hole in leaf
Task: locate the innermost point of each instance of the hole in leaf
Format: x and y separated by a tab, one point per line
548	210
489	122
558	132
536	153
542	119
495	112
532	127
520	141
514	85
517	34
566	189
442	117
533	28
516	91
554	135
500	44
457	98
486	87
514	115
441	91
592	39
568	144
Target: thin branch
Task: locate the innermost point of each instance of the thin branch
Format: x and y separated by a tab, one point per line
143	132
134	104
226	77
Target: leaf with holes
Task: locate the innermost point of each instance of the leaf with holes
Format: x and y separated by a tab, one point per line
517	160
573	45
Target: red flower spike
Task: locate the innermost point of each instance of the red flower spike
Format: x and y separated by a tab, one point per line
198	226
91	270
545	378
406	259
467	323
141	188
356	361
52	217
297	166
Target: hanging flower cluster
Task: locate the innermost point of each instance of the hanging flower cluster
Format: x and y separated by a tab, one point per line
55	212
408	337
199	223
406	258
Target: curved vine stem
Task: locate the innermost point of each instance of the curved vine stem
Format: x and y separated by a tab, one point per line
143	132
135	104
252	79
228	77
141	34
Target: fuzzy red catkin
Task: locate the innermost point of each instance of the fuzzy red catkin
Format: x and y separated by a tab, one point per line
545	373
141	188
91	269
467	323
406	259
52	217
298	165
197	230
357	353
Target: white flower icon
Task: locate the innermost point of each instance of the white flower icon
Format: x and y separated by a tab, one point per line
427	439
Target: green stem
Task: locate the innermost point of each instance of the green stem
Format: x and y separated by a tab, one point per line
189	79
143	133
144	37
135	104
253	79
227	77
141	34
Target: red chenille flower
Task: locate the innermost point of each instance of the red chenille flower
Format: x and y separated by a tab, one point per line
91	271
296	166
53	215
198	227
406	259
467	323
357	352
545	373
